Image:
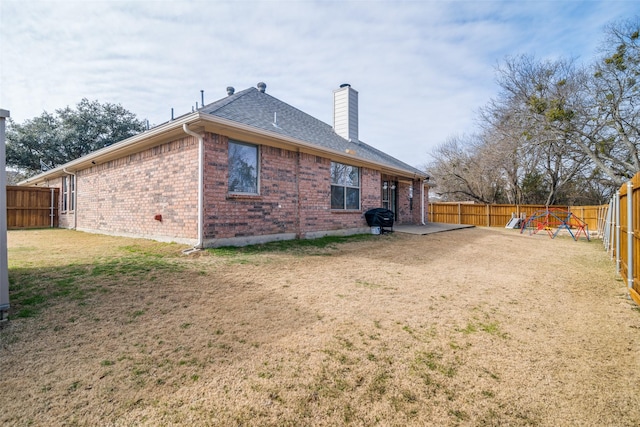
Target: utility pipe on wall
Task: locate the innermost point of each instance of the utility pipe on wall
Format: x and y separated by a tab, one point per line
188	131
422	204
4	260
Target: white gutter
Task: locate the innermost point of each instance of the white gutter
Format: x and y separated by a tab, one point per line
340	155
125	146
188	131
113	151
75	197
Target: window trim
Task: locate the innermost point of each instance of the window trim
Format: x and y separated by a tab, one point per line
65	194
346	187
72	193
232	193
68	194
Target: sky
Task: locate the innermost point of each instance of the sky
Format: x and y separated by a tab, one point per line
422	68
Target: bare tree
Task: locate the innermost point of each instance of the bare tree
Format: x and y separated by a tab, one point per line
546	96
611	134
595	110
555	132
463	171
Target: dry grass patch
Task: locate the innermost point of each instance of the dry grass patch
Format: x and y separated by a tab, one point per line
472	327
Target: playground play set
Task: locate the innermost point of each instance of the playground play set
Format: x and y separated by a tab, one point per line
553	221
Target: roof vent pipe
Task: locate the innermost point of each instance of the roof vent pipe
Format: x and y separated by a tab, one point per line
262	87
230	90
202	97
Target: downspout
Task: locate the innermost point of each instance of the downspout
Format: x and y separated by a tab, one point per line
75	197
188	131
422	205
298	220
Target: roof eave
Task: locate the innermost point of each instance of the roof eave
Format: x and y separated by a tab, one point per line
125	147
239	130
210	122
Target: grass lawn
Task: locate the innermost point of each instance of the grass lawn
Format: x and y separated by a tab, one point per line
469	327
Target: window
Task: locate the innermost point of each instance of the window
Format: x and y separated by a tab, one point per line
72	193
345	186
65	193
243	168
68	193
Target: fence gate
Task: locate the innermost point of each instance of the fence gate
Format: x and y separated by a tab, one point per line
32	207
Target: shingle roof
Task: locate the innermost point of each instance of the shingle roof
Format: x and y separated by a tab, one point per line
261	110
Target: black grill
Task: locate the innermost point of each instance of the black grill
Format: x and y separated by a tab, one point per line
380	217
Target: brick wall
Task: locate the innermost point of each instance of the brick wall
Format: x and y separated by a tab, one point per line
65	218
315	197
271	212
278	209
410	212
123	196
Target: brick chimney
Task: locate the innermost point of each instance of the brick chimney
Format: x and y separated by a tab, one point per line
345	112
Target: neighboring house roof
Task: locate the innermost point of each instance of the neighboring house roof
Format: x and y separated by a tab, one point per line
261	110
249	109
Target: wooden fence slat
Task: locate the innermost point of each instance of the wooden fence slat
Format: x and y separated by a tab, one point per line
630	236
30	207
499	215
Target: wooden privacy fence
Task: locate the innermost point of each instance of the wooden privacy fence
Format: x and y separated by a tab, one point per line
622	234
32	207
499	215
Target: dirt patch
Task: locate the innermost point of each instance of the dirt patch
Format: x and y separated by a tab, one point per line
469	327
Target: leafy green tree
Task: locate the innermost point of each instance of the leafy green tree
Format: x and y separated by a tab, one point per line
51	140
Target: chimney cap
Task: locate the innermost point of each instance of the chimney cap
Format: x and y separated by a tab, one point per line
345	85
262	87
230	90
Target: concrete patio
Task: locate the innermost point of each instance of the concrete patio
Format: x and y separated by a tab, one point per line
429	228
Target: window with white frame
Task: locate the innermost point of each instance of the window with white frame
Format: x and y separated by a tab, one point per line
243	168
72	193
68	193
345	186
65	193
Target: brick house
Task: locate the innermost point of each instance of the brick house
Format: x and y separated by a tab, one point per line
245	169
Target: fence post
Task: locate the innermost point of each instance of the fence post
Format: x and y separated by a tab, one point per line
459	214
4	260
610	227
52	214
618	231
488	216
630	234
606	227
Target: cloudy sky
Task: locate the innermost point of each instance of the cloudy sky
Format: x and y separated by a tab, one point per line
422	68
